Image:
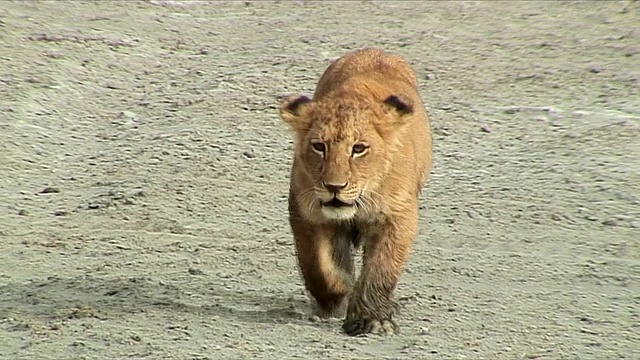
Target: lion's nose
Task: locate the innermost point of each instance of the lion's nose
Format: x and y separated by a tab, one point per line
334	188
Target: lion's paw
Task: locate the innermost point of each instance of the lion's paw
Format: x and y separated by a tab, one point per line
355	327
334	311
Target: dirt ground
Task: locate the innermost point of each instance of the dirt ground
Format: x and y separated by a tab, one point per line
144	174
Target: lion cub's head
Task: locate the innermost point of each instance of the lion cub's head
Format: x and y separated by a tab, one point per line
343	148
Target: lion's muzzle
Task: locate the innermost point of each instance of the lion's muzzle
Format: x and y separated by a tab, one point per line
336	202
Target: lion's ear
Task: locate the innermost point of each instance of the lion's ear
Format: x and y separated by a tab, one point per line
291	111
401	104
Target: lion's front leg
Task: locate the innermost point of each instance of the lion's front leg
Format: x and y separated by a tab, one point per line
372	305
326	266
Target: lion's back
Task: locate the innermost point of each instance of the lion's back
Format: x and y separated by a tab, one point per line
365	63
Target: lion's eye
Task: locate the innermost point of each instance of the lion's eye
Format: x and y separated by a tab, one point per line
359	149
318	147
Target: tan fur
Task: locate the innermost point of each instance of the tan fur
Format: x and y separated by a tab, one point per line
367	99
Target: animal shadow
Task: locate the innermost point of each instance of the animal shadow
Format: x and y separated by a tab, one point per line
104	298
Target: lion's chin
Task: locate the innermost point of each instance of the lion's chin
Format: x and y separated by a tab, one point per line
339	212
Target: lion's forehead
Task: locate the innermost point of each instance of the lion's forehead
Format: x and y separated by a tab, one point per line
338	133
341	129
339	121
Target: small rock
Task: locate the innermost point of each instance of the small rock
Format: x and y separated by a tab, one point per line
586	319
589	331
595	70
60	213
284	242
194	271
49	190
139	193
610	222
128	114
249	154
93	206
485	129
55	54
22	212
529	76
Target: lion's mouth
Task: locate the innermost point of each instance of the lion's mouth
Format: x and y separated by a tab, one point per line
336	203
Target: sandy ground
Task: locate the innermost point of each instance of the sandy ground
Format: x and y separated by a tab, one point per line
144	173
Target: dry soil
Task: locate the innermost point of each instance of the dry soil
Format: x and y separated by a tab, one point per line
144	173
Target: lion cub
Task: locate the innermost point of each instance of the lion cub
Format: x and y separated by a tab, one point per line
362	155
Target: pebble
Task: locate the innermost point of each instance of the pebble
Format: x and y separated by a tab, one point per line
194	271
49	190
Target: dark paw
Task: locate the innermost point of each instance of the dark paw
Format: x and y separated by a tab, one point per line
354	327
